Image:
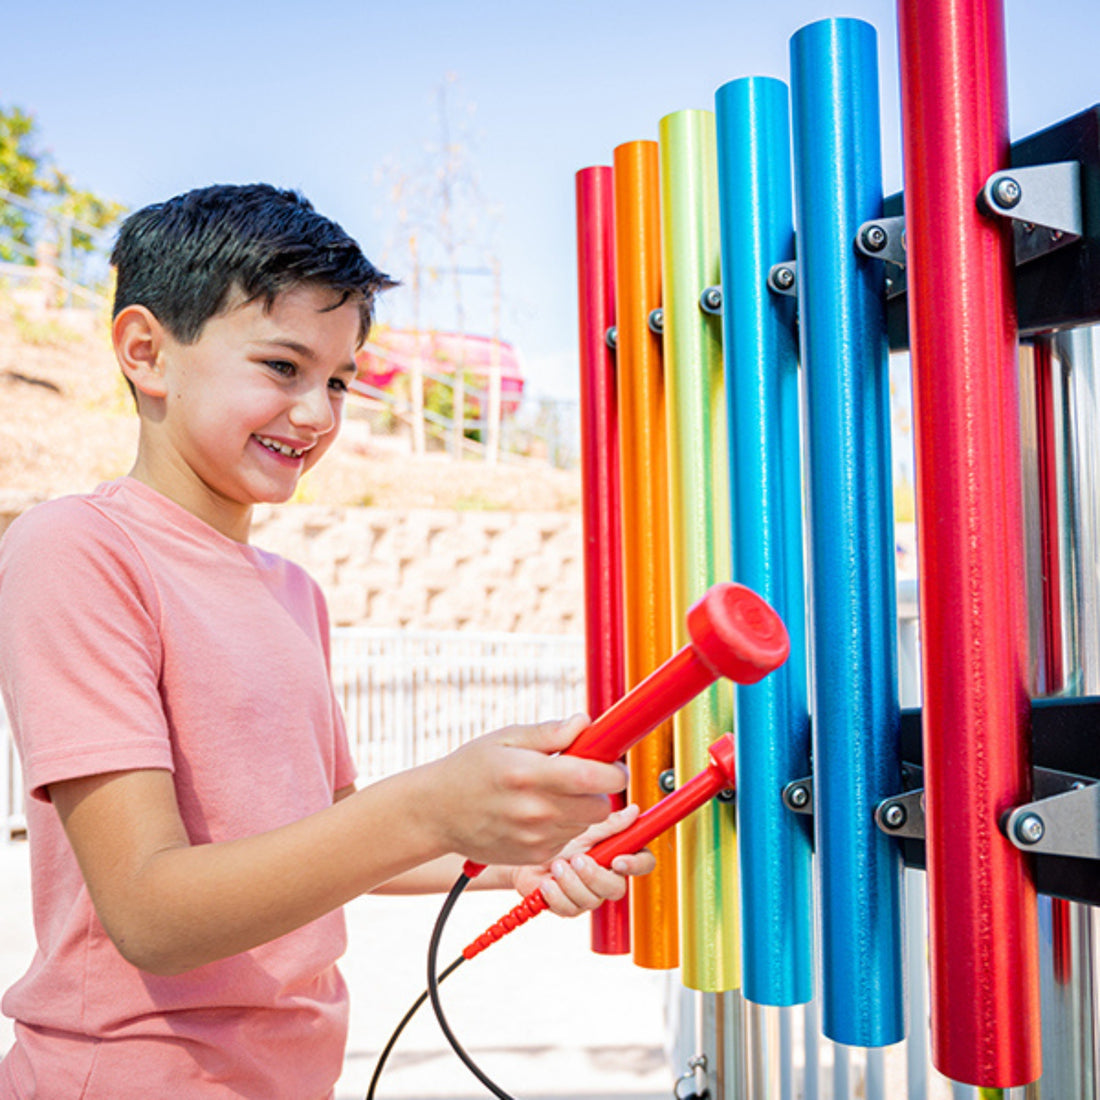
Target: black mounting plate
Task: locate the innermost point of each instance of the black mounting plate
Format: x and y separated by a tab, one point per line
1065	736
1062	288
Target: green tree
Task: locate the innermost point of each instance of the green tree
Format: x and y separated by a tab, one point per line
69	217
20	175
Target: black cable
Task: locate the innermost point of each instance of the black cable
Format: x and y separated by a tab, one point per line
386	1051
433	990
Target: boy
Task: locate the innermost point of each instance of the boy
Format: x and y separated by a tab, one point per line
193	823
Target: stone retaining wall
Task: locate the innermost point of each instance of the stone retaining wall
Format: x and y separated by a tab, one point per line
436	570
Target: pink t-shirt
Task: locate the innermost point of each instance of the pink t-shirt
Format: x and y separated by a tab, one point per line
132	635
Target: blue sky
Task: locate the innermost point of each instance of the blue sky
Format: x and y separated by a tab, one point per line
143	100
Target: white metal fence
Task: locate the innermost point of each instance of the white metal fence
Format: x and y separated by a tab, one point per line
412	696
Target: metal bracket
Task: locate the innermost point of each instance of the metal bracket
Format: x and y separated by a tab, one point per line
710	301
798	795
1066	823
783	278
1044	203
902	815
696	1068
883	239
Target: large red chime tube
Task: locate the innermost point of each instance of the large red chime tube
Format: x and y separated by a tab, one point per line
982	904
601	512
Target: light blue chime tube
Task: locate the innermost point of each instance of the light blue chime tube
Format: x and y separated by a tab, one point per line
856	745
761	353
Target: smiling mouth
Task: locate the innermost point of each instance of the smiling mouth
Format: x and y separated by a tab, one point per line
280	448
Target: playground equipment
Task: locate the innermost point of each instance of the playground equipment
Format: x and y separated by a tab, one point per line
749	364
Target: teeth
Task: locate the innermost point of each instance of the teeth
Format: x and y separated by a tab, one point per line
282	448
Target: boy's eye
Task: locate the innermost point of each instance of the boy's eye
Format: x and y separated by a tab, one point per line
281	366
339	384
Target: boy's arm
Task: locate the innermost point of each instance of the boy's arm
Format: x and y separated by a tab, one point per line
170	906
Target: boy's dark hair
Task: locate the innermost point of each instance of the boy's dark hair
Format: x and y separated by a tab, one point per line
182	258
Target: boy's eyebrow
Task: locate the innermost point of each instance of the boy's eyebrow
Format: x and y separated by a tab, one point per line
304	350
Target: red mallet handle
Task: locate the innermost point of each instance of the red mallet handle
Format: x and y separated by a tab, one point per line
675	807
733	632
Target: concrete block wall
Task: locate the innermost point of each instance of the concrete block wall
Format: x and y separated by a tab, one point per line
436	570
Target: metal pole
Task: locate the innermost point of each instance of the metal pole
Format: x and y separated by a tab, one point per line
856	718
1066	386
984	967
601	510
647	579
761	352
710	926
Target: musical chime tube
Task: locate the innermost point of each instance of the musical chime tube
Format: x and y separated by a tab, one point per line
761	354
706	842
601	513
643	443
982	907
982	902
856	719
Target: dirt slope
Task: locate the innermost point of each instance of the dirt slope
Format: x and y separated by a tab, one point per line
68	423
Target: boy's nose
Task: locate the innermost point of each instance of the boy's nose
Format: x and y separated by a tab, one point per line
313	410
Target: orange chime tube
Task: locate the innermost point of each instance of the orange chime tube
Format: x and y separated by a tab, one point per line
643	452
601	512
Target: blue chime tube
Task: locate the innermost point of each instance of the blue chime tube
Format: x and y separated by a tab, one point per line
856	745
761	355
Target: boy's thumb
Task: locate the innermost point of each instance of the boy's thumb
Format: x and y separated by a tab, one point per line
551	737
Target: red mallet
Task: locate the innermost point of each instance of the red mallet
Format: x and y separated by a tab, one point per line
718	776
733	632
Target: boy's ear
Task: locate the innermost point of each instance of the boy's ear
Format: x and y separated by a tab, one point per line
139	341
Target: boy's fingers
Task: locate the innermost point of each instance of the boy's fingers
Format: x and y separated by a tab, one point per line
547	737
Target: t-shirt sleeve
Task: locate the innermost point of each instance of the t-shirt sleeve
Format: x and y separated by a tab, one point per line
80	652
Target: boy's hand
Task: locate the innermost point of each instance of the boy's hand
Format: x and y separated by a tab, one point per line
506	798
574	883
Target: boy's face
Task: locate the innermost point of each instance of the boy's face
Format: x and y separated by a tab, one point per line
252	404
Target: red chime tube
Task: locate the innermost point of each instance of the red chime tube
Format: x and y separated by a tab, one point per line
982	904
601	493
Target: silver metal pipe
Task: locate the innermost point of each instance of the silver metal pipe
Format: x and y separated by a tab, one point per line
917	1056
762	1051
1072	1068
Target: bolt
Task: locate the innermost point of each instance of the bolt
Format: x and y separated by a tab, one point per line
611	338
1007	192
783	278
667	781
656	320
894	816
798	796
728	795
1030	829
711	299
873	238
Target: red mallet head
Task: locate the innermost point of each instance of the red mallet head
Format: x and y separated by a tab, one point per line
737	634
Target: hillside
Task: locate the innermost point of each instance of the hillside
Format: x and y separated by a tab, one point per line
69	423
